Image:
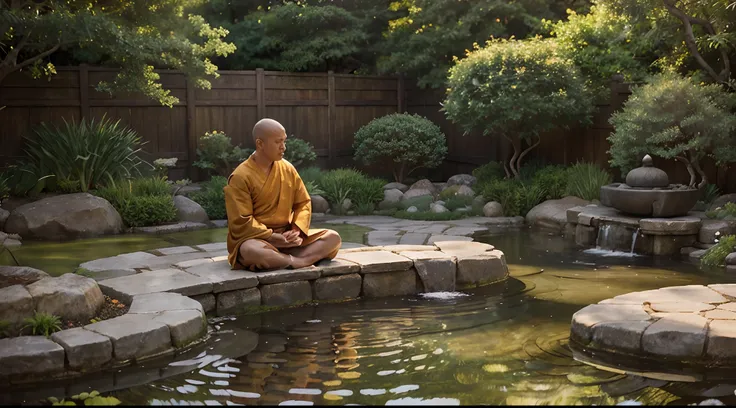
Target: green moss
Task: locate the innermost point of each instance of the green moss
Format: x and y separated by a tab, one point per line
716	255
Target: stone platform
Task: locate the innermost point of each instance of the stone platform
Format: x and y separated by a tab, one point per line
685	329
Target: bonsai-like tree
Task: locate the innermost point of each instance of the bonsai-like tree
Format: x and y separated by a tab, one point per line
405	142
674	118
517	90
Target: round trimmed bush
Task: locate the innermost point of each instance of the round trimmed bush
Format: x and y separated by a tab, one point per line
403	141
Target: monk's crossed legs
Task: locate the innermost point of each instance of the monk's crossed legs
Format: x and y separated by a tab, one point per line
256	252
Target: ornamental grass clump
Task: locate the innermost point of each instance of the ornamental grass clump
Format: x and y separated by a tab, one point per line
716	255
83	155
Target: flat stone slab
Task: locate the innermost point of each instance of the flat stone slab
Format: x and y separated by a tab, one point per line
438	238
30	355
332	267
163	280
403	248
463	248
338	287
175	250
223	278
20	275
288	275
162	302
376	238
693	324
670	226
413	238
134	336
123	261
216	246
84	349
185	326
378	261
463	231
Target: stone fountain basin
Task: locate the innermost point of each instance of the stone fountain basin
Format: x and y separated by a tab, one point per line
648	202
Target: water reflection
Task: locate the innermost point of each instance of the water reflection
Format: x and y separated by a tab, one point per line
502	344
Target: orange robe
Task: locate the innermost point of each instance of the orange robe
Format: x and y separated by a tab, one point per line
257	206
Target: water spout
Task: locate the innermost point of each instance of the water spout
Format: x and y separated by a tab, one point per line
602	238
633	240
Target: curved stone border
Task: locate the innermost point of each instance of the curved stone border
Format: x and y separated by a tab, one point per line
681	326
171	289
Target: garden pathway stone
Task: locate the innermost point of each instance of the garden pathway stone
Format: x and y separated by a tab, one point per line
175	250
185	326
162	280
337	267
413	238
288	275
134	335
30	355
84	349
162	302
377	238
124	261
215	246
223	278
378	261
437	238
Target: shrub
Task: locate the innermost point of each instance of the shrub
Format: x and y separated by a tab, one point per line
532	167
488	172
85	154
674	118
24	179
585	181
43	324
710	193
421	203
299	152
716	255
518	90
516	197
458	201
404	142
212	198
552	180
340	184
141	202
216	153
727	212
369	192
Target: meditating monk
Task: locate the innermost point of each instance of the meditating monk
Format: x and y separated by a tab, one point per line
269	210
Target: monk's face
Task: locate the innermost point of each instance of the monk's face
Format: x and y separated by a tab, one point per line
272	144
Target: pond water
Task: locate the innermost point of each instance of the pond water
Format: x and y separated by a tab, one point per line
500	344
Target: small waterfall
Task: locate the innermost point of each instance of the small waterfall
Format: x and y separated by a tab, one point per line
633	240
602	235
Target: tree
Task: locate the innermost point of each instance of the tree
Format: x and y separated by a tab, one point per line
674	118
517	90
698	36
136	36
603	43
423	41
402	141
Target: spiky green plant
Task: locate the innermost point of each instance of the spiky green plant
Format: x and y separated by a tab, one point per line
716	255
43	323
584	180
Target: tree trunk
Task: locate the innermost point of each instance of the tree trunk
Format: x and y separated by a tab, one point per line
703	176
516	144
690	170
524	153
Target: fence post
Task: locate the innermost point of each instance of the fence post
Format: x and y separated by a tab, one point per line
191	129
260	93
401	94
330	115
84	90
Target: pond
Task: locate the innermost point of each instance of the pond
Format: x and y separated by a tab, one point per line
500	344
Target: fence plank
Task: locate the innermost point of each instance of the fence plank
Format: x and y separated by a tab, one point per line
330	114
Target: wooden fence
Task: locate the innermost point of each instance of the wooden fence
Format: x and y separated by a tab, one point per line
325	109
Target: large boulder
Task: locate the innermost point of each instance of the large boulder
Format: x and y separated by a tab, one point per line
399	186
465	191
390	198
417	192
68	296
319	204
493	209
461	180
67	216
552	214
188	210
20	275
709	228
424	184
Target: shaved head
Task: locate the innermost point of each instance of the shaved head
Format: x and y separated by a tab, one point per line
266	128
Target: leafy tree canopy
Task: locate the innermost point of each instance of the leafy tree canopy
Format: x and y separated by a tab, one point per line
135	36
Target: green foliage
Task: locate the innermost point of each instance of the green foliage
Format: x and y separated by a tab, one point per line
489	171
727	212
449	192
603	43
716	255
552	180
212	198
4	187
516	197
710	193
311	177
400	140
517	90
428	215
421	203
141	202
584	180
423	40
673	118
85	154
458	201
23	179
134	36
5	328
299	152
340	184
89	398
216	152
43	324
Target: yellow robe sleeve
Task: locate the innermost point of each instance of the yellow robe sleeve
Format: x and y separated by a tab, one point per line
242	225
302	207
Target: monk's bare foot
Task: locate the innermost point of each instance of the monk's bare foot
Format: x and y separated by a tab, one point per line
299	262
